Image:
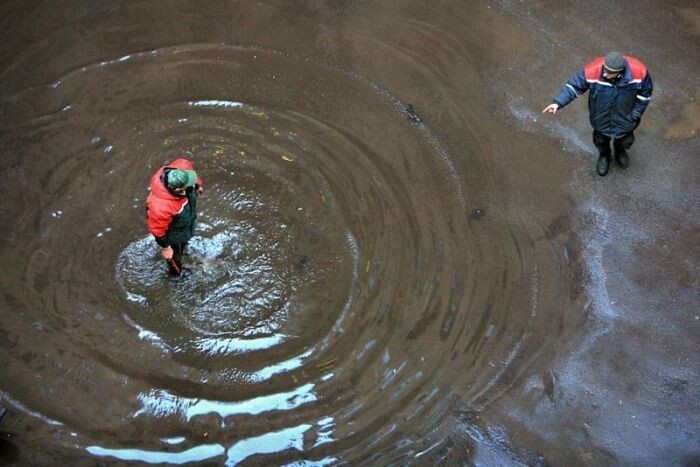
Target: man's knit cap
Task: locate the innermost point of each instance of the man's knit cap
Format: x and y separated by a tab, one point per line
614	62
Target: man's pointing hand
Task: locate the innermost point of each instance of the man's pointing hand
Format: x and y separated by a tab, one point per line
551	108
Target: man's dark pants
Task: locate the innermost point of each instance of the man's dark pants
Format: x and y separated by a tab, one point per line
602	142
178	252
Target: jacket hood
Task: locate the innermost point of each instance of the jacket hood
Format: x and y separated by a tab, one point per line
158	188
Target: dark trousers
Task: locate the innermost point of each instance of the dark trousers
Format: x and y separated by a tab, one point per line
178	253
602	142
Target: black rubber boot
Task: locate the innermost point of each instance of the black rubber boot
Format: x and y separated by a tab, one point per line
603	165
622	158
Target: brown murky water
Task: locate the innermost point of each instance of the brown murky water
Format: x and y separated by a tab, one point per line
351	286
366	276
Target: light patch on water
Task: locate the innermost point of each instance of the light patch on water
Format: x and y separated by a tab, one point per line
282	367
354	249
505	364
22	408
313	463
598	239
368	346
162	403
532	121
424	402
379	437
390	374
324	434
216	103
136	298
535	291
278	441
152	337
145	334
436	444
103	232
236	345
406	384
493	446
195	454
212	247
175	440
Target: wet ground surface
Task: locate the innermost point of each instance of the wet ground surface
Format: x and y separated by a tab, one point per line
398	259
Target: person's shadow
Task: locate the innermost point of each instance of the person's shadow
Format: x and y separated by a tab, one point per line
9	452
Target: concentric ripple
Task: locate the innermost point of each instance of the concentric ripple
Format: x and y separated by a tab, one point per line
343	290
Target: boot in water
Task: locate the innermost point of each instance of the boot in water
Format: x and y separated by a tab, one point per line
622	158
603	165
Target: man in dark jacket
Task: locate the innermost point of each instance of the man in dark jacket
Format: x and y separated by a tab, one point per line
171	209
620	89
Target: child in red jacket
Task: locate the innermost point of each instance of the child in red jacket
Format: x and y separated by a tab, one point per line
171	209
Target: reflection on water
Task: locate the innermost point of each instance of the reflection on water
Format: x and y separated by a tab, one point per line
219	346
162	403
279	441
195	454
341	296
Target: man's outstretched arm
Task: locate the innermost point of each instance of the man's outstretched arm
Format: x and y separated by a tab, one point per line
573	88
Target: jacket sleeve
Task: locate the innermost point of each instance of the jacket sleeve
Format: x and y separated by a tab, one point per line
158	226
643	97
161	242
573	88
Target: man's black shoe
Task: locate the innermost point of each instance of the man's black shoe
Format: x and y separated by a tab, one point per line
622	158
602	166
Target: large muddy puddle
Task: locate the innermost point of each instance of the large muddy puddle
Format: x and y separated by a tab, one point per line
362	281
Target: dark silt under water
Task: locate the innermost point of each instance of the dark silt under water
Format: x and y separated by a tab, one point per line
370	274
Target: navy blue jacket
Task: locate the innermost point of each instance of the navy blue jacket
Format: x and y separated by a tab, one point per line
615	107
